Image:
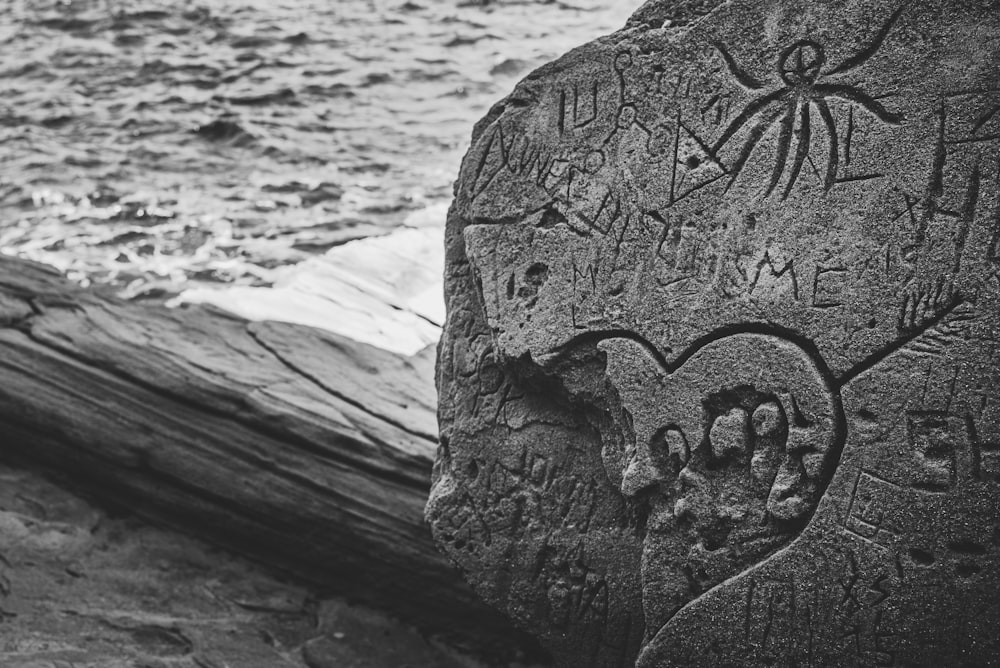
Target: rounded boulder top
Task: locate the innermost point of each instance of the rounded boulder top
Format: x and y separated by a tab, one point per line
720	378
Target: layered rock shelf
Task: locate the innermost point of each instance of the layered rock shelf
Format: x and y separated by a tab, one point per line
298	447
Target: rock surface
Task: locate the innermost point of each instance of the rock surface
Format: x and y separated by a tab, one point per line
384	291
82	588
719	382
301	448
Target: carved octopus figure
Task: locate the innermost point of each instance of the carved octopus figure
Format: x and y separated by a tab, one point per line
734	446
807	84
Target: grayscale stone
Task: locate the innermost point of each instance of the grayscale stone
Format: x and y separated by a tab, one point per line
720	380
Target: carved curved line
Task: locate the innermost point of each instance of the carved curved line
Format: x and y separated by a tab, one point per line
784	145
839	436
596	336
833	159
869	50
801	151
799	66
742	76
840	423
852	94
751	143
807	345
752	110
833	384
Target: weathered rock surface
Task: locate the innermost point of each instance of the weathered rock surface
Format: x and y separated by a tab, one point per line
384	291
300	448
720	381
80	588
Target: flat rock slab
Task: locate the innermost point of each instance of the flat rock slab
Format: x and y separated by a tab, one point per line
80	588
383	291
720	378
301	448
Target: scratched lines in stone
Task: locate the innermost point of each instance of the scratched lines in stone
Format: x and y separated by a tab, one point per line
935	439
871	508
983	426
925	304
952	327
562	180
462	524
776	272
951	441
956	225
693	162
949	449
993	246
849	157
723	257
982	122
493	391
673	84
942	227
828	285
678	246
802	69
789	622
518	155
989	118
533	486
584	287
627	127
576	592
862	608
955	131
611	207
693	165
943	447
5	587
770	610
578	106
992	254
880	653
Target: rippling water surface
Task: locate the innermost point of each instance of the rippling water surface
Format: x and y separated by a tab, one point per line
159	145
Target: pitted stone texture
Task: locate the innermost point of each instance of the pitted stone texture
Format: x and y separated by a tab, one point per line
720	381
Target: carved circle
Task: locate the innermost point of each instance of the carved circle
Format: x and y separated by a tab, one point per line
800	64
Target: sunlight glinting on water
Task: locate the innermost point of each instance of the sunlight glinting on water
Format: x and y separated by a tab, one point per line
184	142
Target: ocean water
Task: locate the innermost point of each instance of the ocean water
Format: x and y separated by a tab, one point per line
159	146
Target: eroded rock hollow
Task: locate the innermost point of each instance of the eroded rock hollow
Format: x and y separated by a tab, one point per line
720	381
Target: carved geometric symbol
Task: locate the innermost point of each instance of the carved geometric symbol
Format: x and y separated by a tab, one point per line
801	63
871	508
695	164
934	438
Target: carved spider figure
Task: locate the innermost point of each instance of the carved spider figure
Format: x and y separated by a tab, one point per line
801	68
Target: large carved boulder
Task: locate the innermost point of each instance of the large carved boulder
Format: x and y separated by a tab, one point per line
720	381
